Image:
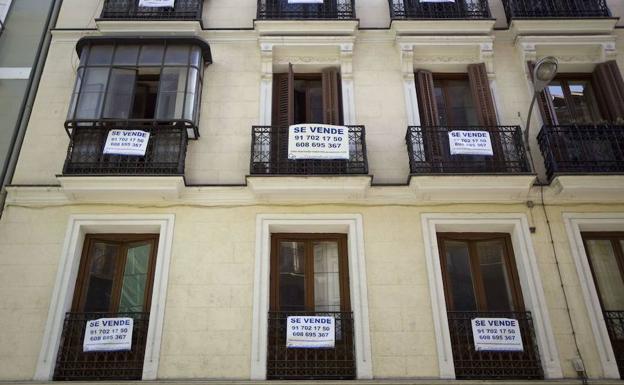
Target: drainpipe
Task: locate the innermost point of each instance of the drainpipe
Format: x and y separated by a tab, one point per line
27	104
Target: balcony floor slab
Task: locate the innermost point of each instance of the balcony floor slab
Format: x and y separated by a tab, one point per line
121	188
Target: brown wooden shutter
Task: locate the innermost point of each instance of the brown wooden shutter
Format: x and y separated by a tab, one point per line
426	99
283	98
609	89
544	102
331	96
482	94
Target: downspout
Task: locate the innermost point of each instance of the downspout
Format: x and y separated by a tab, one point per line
27	104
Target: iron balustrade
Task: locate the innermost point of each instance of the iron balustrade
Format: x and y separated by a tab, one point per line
472	364
130	9
300	363
269	155
460	9
429	151
519	9
165	153
615	326
328	9
581	149
74	364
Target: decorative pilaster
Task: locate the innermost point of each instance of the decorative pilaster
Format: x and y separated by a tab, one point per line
266	83
409	85
346	75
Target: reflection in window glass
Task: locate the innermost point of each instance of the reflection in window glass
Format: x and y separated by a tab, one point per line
120	93
92	93
607	273
460	276
494	274
326	276
292	278
135	278
101	276
171	93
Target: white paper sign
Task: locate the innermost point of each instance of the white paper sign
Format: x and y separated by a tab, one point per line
305	1
126	142
156	3
318	141
310	332
108	335
496	335
470	143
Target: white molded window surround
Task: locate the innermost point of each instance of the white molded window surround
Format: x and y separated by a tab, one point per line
78	227
517	226
350	224
575	224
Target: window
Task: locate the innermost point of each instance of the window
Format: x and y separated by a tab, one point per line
606	258
309	277
139	80
479	272
115	279
454	100
573	100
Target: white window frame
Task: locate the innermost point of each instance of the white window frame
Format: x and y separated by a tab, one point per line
62	295
528	272
576	223
350	224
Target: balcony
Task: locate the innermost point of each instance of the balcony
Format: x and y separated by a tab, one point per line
614	321
575	9
293	363
72	364
328	9
130	10
269	155
461	9
165	154
429	153
579	17
486	365
582	149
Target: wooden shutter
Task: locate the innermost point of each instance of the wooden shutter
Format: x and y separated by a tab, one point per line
426	99
283	102
609	89
482	94
544	101
331	96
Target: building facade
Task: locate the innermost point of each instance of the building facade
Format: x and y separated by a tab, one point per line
213	236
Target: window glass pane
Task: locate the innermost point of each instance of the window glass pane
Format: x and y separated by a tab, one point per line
316	103
607	273
101	273
191	95
460	105
126	55
84	54
135	278
326	276
439	96
92	93
171	93
460	276
151	55
119	96
583	101
74	99
177	54
100	55
496	283
292	279
559	103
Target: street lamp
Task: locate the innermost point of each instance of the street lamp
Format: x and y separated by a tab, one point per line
544	72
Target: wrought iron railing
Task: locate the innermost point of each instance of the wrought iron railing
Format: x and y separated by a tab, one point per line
269	154
519	9
581	149
130	9
300	363
74	364
461	9
429	151
472	364
328	9
165	153
615	326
